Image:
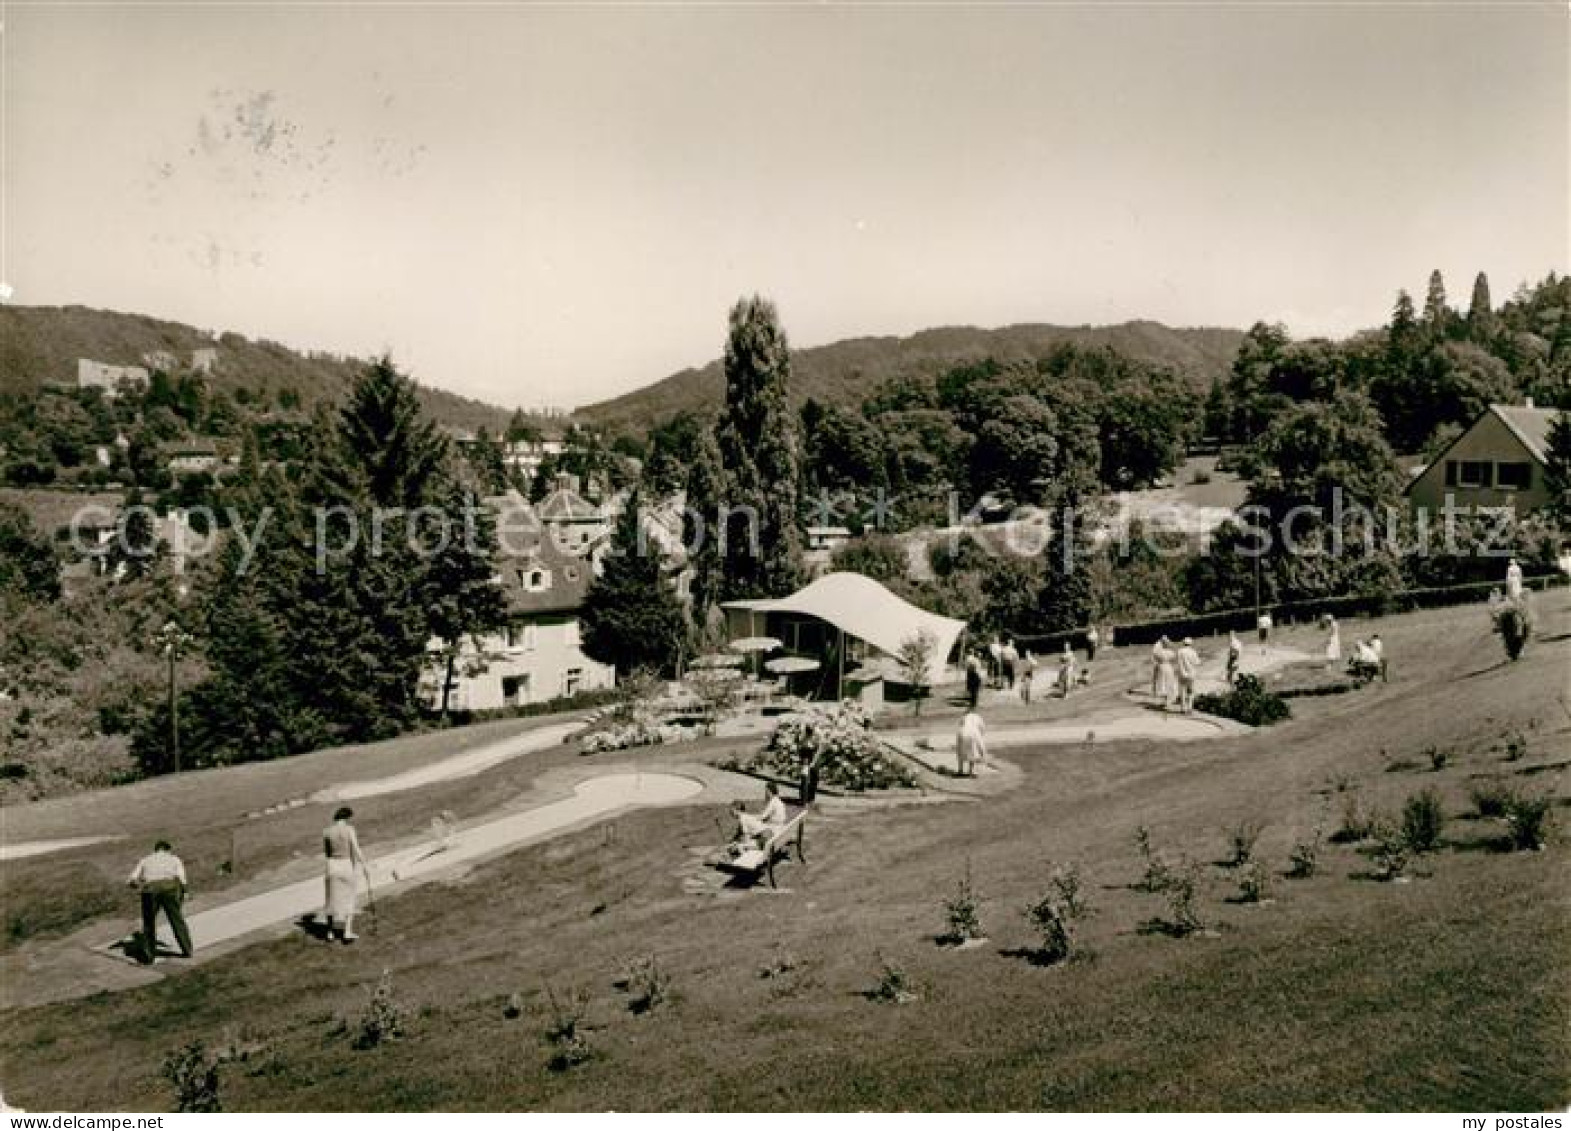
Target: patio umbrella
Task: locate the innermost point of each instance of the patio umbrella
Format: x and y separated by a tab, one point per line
790	665
755	644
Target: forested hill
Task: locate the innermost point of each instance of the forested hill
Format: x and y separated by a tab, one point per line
844	373
41	344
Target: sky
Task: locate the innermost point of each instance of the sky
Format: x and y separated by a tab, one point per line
550	205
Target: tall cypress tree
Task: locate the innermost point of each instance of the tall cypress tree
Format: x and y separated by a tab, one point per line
1435	309
706	493
760	450
1480	312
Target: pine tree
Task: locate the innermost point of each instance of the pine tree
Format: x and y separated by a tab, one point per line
387	440
632	617
1480	313
706	493
759	448
1436	312
460	593
1557	469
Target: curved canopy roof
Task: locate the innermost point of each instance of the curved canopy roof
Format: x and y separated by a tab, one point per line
861	607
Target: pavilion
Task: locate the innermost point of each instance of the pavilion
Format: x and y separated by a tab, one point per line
849	623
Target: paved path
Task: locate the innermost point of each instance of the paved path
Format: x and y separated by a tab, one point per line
592	799
40	847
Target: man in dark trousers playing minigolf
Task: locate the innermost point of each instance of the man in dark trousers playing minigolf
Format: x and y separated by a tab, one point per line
161	880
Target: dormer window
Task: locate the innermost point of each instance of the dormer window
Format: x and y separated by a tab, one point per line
536	581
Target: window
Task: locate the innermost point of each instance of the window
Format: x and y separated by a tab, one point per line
515	690
570	684
1514	476
1474	473
537	581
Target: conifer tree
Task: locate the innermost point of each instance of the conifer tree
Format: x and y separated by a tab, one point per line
760	451
632	618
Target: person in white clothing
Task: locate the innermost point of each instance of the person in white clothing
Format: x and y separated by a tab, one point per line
1187	661
1235	653
970	744
1513	580
760	828
1333	642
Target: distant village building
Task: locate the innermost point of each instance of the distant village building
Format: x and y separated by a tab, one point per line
575	524
526	456
204	360
188	457
822	542
98	375
538	655
1498	462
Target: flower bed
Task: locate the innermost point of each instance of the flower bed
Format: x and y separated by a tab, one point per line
838	739
629	735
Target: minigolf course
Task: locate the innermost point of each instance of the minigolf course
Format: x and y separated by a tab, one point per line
590	800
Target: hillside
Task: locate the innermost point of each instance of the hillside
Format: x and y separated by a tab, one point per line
41	344
845	372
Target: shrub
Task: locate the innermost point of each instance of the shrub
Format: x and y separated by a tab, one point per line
895	986
1423	818
1248	701
1492	799
1254	885
1180	891
1529	821
1438	757
840	741
1515	746
1241	840
1057	914
1513	621
1390	848
1304	859
1156	868
194	1075
514	1009
647	986
962	921
566	1034
382	1020
1356	824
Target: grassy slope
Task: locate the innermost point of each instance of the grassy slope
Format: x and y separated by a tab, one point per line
1447	993
39	344
846	372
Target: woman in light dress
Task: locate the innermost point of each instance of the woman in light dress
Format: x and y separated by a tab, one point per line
1166	679
1333	643
342	848
970	744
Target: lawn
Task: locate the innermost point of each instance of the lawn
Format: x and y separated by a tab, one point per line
1448	992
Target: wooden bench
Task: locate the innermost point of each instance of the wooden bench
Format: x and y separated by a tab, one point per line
778	847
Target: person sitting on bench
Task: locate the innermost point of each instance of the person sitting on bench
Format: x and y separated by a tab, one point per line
759	829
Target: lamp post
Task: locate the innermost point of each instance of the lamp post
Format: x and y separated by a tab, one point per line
170	639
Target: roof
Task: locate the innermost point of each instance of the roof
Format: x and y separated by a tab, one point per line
1531	426
569	579
567	505
1528	423
861	607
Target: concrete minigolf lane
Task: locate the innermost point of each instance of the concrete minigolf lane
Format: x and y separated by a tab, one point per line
591	799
